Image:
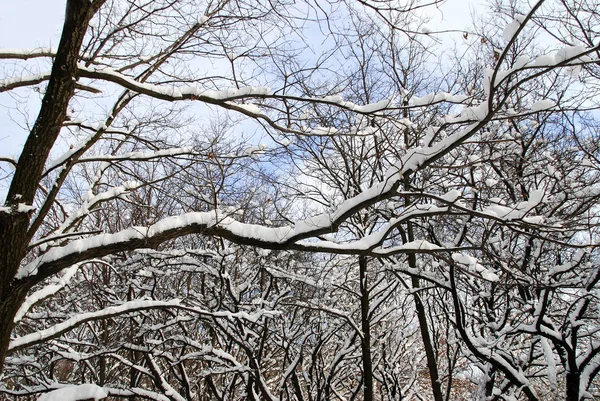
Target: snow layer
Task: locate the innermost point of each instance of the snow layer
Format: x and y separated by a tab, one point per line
75	393
83	317
511	30
542	105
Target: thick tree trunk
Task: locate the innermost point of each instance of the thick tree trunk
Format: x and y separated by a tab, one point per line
573	386
14	225
366	329
8	309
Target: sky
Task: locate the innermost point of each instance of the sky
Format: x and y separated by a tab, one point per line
25	24
31	23
38	23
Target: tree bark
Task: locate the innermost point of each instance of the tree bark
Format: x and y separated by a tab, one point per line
14	225
366	330
436	385
572	386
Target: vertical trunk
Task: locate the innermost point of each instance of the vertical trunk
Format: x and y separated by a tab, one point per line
489	384
24	184
366	329
133	356
436	386
8	309
573	386
104	337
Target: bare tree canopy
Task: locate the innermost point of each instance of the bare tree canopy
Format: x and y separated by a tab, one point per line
303	200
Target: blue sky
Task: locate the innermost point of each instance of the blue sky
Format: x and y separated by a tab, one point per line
38	23
25	24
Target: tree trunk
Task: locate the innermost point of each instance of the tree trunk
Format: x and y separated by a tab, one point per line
366	329
573	386
14	225
8	309
436	385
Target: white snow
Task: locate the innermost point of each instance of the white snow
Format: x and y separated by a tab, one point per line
248	107
452	195
255	150
45	292
28	52
24	80
84	317
542	105
510	30
174	92
75	393
544	60
373	107
568	52
572	52
471	263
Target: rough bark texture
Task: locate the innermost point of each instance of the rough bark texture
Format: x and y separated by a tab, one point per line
14	225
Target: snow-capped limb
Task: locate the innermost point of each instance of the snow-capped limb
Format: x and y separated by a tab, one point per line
127	307
226	98
398	266
59	329
214	223
18	82
135	392
484	351
72	152
25	54
142	156
208	223
550	363
93	201
45	292
375	239
11	161
208	349
160	377
589	370
67	161
515	31
171	92
82	392
335	312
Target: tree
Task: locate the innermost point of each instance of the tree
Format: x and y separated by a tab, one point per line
228	268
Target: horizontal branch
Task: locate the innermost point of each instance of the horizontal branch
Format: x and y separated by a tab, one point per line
127	307
19	82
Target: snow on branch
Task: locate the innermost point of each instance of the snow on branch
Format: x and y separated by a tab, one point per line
58	329
24	54
45	292
86	391
127	307
28	80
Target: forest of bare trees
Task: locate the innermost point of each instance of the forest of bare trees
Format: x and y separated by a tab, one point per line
303	200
